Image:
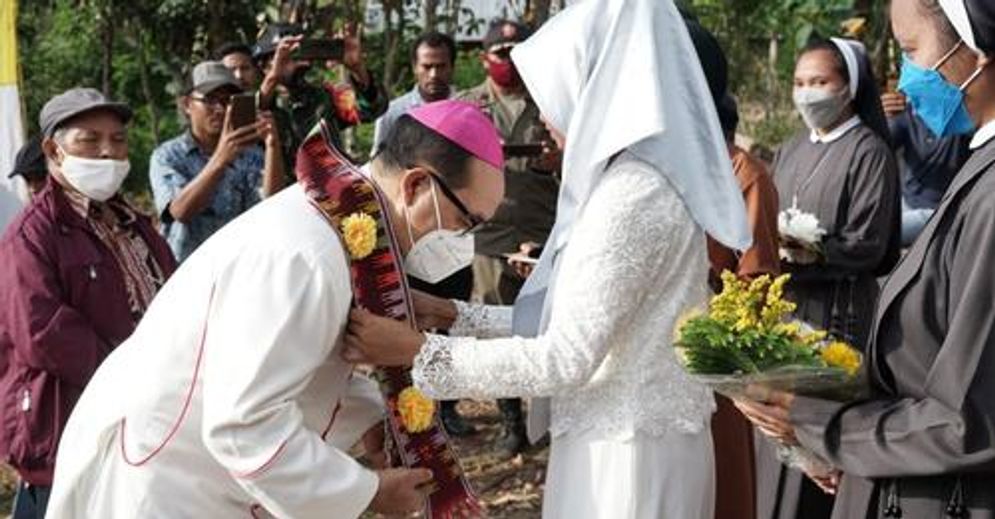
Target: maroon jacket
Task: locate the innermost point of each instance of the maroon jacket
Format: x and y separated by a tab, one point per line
63	308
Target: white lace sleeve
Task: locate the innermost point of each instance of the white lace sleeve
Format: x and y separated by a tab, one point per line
481	321
622	240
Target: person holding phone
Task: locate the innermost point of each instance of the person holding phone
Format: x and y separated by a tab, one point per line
286	56
215	170
237	57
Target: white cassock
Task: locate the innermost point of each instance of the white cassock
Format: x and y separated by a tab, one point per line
230	399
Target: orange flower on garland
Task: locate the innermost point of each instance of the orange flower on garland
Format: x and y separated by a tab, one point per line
359	230
415	409
346	104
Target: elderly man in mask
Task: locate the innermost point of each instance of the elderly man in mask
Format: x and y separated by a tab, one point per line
80	267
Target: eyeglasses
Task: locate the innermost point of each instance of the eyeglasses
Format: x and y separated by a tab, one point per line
213	102
475	222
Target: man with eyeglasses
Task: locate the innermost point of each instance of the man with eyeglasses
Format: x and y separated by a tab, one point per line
213	172
252	409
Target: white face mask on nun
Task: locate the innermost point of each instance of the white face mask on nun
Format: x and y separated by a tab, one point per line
440	253
821	108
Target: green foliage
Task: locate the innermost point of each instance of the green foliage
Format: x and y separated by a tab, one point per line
762	39
469	71
155	42
772	129
60	44
710	347
58	50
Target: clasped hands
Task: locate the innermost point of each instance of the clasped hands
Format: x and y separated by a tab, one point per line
770	412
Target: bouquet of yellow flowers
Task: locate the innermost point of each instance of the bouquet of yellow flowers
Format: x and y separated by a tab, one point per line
748	338
748	344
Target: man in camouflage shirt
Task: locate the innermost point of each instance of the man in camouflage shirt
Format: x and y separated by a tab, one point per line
299	105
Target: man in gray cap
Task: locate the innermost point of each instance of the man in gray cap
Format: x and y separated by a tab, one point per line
80	266
212	172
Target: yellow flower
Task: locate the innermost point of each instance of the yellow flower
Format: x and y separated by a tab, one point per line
359	230
415	409
792	329
723	307
813	338
841	355
775	307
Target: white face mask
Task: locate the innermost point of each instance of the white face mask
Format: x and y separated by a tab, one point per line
97	179
440	253
821	107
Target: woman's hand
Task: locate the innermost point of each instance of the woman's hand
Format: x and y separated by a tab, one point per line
433	313
524	261
798	253
772	416
380	341
829	483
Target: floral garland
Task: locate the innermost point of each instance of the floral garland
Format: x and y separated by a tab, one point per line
359	232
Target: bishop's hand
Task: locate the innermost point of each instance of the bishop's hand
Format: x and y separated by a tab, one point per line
401	491
433	313
380	341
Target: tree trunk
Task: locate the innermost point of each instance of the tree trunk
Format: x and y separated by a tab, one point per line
431	21
107	50
452	21
393	32
143	77
773	53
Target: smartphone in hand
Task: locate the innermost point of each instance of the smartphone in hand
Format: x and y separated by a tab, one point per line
328	49
243	110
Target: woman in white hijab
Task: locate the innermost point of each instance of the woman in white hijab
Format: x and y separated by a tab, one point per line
646	175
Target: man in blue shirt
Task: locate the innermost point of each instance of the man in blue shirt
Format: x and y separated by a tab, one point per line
928	164
433	61
204	178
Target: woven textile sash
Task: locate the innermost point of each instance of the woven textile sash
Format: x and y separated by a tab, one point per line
339	190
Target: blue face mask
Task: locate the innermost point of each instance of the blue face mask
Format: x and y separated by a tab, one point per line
937	102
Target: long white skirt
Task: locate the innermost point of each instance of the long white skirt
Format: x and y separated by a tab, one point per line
668	477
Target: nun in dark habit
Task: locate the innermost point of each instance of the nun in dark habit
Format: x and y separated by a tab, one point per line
842	170
924	445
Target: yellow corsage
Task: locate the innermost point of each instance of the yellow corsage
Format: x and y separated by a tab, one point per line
415	409
841	355
359	230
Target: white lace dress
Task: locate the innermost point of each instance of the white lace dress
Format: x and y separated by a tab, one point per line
629	427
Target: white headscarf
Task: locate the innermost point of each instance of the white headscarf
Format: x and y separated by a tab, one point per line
956	11
849	49
618	75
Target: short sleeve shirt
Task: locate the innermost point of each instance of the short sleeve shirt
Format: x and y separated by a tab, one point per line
175	164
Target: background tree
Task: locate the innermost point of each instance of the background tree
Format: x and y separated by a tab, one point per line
141	50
